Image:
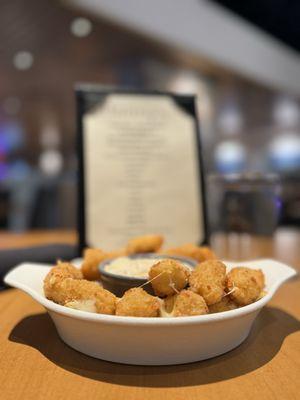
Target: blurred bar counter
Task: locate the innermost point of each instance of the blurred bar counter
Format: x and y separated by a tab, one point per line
9	240
283	246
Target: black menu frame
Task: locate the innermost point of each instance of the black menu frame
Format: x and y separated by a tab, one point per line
87	96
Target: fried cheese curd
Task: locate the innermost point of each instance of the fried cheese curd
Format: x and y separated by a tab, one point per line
64	285
61	271
226	304
186	303
145	244
168	277
208	279
91	260
198	253
245	285
136	302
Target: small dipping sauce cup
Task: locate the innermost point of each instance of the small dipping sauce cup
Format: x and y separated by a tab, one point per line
118	284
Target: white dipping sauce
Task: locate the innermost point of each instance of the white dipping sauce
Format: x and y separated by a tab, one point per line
133	267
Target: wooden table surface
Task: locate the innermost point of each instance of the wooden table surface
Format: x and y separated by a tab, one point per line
35	364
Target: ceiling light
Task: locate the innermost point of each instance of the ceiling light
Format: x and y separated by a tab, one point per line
23	60
51	162
284	151
81	27
230	157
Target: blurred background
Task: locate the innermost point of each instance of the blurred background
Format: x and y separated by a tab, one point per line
240	58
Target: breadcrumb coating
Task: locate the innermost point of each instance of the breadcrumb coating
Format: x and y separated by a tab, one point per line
145	244
62	288
245	285
226	304
186	303
168	277
198	253
208	279
67	270
61	271
91	260
138	303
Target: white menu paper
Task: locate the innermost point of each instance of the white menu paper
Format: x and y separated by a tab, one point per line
141	171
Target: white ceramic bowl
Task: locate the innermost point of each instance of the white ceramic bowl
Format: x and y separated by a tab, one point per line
151	341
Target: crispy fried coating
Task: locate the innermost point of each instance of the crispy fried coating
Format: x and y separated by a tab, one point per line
145	244
208	279
186	303
260	278
105	302
198	253
116	253
168	277
226	304
61	271
67	270
92	259
62	289
245	285
138	303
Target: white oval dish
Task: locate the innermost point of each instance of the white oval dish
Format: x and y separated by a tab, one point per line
151	341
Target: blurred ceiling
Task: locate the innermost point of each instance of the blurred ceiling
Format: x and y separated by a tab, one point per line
208	31
45	91
280	18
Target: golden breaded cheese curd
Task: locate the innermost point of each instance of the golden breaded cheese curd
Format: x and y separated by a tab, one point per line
145	244
136	302
168	277
245	285
208	279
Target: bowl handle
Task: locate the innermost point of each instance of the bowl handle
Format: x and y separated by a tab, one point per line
27	276
282	273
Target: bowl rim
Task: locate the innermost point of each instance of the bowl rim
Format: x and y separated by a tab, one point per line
146	321
155	256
